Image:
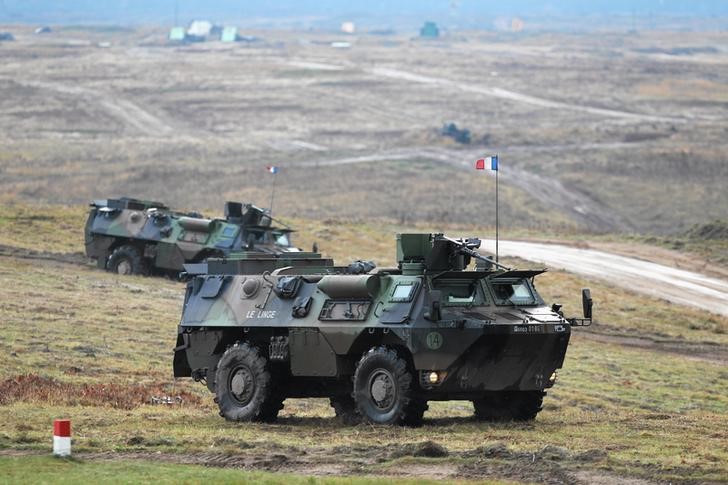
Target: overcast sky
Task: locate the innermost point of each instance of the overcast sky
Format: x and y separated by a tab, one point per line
454	11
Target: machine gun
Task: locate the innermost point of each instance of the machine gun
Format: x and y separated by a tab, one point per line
468	247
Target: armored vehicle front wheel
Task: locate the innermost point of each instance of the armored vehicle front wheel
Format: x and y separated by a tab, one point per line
126	260
384	389
243	387
508	406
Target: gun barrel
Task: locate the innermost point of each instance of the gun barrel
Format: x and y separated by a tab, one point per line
463	248
477	255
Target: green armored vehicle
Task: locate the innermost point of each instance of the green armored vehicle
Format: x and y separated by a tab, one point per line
130	236
380	343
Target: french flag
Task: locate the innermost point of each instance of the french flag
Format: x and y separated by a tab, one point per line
493	161
272	169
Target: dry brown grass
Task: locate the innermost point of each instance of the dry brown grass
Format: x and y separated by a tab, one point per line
37	389
685	89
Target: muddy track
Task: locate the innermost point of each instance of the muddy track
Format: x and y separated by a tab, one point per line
551	464
24	253
703	351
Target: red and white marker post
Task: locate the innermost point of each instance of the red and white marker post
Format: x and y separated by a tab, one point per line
62	437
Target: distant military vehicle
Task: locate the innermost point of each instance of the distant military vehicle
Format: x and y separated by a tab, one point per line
459	135
380	343
130	236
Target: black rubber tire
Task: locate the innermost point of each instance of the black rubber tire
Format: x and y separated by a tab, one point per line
274	403
345	409
506	406
414	413
382	372
270	408
243	364
126	257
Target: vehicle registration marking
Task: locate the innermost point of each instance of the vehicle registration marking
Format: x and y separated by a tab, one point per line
261	314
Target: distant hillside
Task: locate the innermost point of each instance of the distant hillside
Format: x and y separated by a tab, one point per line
607	133
717	230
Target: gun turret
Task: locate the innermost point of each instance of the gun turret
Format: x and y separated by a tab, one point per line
437	252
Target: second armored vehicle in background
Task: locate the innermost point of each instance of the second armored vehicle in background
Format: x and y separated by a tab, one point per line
130	236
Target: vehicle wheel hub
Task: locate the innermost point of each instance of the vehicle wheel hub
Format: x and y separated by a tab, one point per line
124	267
242	385
382	390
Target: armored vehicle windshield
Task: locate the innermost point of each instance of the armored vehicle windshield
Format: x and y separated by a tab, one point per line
514	292
461	292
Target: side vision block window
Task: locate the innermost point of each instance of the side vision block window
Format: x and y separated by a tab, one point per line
230	231
403	292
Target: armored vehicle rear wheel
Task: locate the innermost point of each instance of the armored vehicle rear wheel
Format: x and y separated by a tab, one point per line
383	388
126	260
243	387
509	406
345	409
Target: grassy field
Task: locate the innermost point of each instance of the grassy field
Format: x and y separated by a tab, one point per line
96	348
73	471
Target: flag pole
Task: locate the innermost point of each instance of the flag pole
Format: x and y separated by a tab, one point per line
496	210
273	192
480	165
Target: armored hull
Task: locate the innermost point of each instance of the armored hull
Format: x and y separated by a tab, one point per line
130	236
380	344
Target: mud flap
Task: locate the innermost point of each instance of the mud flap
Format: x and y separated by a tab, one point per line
181	365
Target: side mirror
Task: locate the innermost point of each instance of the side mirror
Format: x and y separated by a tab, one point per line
433	310
586	303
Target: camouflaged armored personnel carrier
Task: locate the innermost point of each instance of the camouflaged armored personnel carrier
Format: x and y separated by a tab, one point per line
380	343
129	236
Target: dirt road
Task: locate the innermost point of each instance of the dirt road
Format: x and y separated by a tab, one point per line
518	97
490	91
128	113
671	284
